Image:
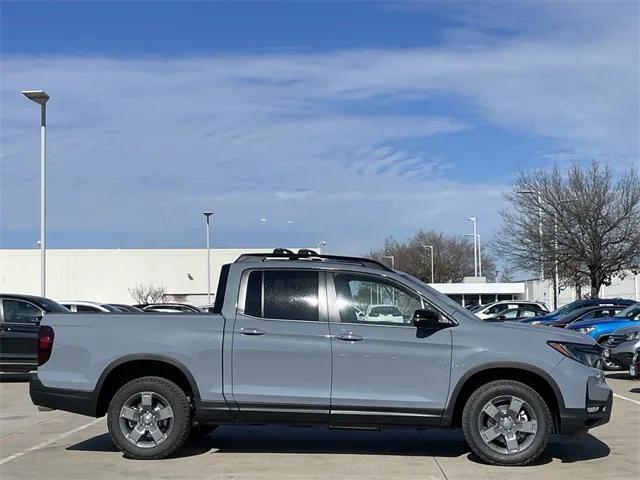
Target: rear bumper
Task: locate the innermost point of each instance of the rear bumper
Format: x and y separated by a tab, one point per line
74	401
18	367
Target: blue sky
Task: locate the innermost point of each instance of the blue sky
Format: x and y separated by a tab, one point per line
354	120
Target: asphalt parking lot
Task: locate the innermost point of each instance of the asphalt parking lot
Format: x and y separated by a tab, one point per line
62	445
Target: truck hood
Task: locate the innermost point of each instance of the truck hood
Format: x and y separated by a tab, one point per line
549	333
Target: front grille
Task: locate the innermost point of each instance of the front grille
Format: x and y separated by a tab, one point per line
615	340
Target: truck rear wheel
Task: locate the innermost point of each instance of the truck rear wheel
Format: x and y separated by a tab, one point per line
149	418
506	423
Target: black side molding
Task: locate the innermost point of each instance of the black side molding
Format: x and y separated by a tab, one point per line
74	401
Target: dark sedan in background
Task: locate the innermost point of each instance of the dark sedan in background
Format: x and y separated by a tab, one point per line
20	317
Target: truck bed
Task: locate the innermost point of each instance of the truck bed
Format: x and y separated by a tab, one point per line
87	345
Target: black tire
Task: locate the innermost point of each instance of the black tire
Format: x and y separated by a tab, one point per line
607	364
473	415
181	420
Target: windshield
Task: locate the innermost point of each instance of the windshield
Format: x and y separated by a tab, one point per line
51	306
566	308
111	308
632	311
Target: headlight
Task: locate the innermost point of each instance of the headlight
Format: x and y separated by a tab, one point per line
536	322
633	336
589	355
586	330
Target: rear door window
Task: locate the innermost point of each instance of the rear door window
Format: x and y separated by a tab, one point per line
283	295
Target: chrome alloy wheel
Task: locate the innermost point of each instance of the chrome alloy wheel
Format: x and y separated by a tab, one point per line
507	424
146	419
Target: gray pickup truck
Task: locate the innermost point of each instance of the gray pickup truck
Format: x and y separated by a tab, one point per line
290	343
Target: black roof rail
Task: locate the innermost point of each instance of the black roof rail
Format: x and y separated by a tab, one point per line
306	254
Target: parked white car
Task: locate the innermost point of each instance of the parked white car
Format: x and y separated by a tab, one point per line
492	309
383	313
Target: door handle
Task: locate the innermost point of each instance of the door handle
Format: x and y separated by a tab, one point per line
349	337
251	331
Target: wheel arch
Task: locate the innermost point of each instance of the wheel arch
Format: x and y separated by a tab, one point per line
534	377
130	367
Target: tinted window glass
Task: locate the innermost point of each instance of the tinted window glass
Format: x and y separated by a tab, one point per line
497	308
21	312
367	299
86	309
51	306
253	302
511	313
283	295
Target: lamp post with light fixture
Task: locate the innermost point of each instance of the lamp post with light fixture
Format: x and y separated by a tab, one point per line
207	215
475	245
41	98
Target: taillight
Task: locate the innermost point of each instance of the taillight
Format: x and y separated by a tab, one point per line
45	344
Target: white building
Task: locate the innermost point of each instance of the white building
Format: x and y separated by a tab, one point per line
106	275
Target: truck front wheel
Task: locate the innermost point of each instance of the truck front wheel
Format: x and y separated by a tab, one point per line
149	418
506	423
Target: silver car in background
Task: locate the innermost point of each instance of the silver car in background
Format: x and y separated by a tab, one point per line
622	345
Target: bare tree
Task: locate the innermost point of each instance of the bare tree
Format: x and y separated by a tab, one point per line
147	293
588	221
452	255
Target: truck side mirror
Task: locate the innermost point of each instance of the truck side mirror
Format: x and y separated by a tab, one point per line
428	319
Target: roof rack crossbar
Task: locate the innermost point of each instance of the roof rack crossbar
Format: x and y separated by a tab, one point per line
310	255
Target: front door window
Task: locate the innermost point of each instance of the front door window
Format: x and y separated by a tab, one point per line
366	299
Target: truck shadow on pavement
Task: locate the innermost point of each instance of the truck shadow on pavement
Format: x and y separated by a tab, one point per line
438	443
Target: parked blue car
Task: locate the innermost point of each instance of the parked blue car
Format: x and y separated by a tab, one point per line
600	329
576	304
586	313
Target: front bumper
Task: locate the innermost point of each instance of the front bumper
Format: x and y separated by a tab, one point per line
597	410
622	359
74	401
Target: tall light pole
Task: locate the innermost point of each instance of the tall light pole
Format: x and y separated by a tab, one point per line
475	245
556	277
536	192
41	98
431	248
321	244
479	256
207	215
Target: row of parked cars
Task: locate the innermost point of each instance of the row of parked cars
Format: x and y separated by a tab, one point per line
20	317
612	322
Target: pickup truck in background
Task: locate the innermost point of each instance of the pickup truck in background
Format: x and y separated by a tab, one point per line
286	345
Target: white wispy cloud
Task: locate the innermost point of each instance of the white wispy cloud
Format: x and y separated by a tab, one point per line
269	133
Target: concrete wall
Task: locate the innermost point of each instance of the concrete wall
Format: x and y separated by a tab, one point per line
107	275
